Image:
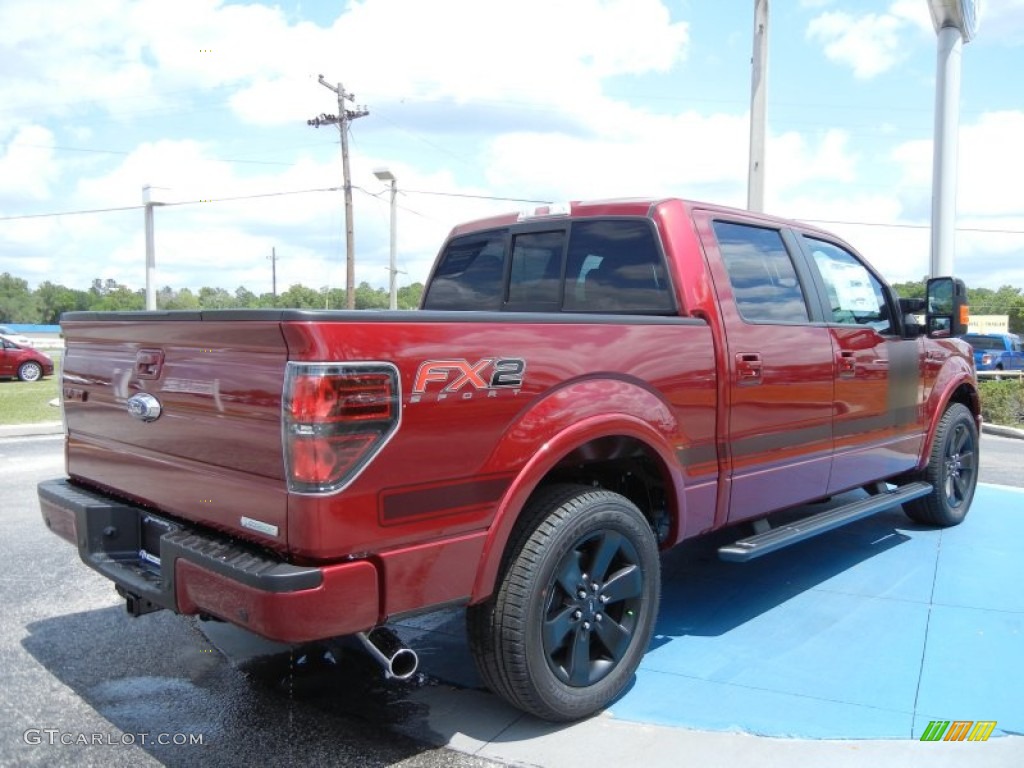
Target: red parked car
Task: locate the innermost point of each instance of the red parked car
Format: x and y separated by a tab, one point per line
24	362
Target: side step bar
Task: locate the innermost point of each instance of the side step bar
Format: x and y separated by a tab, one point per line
777	538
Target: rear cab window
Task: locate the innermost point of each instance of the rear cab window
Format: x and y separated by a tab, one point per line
588	265
761	272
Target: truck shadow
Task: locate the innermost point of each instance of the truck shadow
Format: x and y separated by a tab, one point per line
705	596
321	704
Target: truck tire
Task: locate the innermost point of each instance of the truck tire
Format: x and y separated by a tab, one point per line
952	470
576	605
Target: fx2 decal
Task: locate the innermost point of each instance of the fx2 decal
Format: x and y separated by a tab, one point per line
463	380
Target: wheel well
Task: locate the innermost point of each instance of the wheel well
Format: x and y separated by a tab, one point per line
967	396
626	466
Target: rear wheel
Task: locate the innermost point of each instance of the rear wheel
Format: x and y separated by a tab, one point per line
952	470
30	371
576	606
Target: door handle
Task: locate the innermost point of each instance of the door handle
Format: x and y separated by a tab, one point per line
748	369
847	365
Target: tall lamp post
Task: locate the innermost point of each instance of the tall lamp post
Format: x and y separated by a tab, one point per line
149	199
385	175
956	23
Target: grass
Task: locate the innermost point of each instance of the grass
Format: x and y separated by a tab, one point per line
24	402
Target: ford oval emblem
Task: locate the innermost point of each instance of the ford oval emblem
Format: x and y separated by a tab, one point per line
144	407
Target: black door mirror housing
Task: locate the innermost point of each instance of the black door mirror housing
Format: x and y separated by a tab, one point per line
947	309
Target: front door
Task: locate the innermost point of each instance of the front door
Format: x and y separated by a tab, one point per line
879	387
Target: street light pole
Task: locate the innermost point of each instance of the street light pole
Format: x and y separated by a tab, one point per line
758	108
385	175
956	23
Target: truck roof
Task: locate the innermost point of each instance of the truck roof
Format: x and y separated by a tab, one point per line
632	206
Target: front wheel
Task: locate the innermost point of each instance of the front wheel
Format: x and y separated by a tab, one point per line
576	606
30	371
952	470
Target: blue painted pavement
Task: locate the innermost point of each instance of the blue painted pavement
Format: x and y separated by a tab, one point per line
868	632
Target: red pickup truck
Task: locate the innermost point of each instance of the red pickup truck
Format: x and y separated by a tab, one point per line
583	386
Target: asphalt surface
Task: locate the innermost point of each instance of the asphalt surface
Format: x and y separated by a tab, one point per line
75	668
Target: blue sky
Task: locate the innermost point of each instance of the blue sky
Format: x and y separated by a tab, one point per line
478	99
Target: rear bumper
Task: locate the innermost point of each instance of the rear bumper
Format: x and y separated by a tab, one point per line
190	571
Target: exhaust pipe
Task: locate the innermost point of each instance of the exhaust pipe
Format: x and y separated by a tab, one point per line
384	645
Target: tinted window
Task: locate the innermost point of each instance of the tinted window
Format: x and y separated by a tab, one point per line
856	296
536	276
470	275
614	265
761	273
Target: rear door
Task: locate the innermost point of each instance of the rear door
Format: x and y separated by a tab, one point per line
780	368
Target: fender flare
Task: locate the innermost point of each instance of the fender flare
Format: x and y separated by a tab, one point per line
942	398
550	453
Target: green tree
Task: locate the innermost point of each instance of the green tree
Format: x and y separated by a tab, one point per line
368	297
54	300
245	298
17	303
300	297
216	298
912	289
183	299
119	299
409	296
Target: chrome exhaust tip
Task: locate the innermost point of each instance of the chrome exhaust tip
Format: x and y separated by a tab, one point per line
398	661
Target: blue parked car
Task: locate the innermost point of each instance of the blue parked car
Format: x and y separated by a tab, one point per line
996	351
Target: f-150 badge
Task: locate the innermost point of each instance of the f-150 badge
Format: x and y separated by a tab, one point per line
463	380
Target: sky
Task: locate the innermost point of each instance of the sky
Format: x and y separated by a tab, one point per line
478	107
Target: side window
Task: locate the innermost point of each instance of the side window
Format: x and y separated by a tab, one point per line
615	265
470	274
536	277
761	273
855	295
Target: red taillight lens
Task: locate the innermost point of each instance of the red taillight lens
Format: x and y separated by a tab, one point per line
319	460
324	399
336	418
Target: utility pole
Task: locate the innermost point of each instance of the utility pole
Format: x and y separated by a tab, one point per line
273	270
758	98
342	120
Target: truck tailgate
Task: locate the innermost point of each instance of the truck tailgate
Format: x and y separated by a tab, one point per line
181	413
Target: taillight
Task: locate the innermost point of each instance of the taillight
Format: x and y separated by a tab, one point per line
337	416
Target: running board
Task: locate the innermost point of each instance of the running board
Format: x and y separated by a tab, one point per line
777	538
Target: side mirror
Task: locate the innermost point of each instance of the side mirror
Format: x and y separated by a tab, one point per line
947	310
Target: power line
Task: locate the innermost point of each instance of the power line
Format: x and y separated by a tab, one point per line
982	230
469	196
477	197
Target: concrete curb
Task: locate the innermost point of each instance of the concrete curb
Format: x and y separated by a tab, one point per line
996	429
28	430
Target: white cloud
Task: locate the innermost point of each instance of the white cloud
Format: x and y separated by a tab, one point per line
27	165
869	43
